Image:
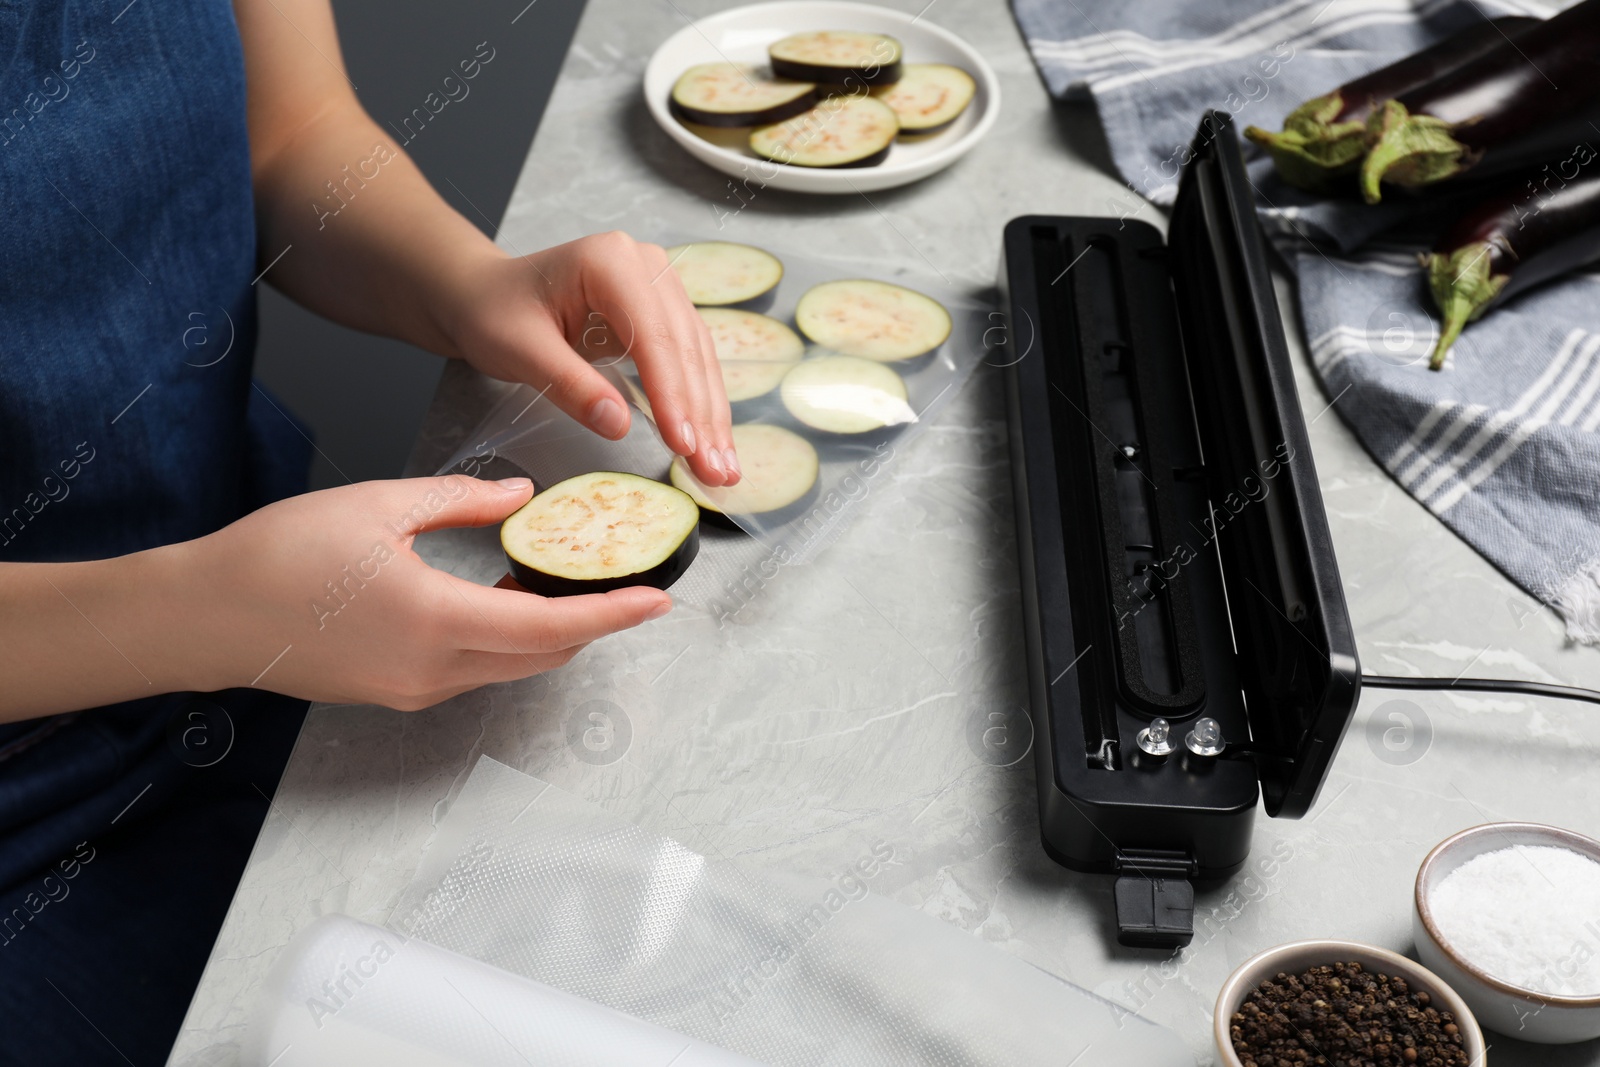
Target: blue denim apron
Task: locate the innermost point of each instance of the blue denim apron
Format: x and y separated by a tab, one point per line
128	419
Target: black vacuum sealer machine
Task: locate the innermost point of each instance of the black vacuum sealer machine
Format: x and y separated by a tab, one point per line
1188	643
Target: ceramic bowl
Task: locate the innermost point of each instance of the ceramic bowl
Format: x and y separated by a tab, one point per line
1520	1013
1299	955
741	35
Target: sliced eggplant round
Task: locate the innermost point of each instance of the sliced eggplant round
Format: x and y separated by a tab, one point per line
846	395
873	320
754	351
928	97
780	471
837	57
842	131
718	273
729	94
601	531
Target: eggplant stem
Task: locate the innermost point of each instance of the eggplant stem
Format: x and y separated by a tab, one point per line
1407	149
1312	149
1463	289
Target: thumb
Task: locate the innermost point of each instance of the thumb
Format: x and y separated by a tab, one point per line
455	500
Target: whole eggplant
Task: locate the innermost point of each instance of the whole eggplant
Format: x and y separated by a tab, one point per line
1513	241
1325	137
1510	108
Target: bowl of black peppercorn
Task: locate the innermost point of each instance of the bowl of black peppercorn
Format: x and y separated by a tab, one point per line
1342	1002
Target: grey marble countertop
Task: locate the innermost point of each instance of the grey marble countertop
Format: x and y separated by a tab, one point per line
835	710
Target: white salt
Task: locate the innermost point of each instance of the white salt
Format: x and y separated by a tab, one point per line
1528	915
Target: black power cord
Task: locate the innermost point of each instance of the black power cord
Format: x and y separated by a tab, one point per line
1484	685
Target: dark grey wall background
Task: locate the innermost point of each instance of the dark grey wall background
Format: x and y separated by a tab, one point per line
364	396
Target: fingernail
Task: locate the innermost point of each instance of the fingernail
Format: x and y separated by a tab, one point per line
607	418
714	458
658	611
688	439
515	485
731	461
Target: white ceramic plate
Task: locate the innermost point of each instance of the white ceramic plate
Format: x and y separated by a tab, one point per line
741	35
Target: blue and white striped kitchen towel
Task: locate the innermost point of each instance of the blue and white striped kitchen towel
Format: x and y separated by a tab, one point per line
1503	445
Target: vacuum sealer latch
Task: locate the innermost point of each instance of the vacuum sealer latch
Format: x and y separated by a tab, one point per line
1154	898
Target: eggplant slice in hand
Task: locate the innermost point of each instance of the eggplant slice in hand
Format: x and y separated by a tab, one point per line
780	471
728	94
837	57
718	273
601	531
872	319
842	131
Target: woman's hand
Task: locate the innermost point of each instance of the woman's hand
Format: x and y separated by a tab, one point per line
548	318
330	581
320	596
387	255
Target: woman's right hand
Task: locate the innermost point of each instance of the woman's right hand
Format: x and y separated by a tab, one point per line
323	597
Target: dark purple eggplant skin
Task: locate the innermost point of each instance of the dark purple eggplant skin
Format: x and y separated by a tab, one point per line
1547	143
865	161
660	576
849	77
1498	107
1518	238
1493	95
684	113
1325	138
1407	75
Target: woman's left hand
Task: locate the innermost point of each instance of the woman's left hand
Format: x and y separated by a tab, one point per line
548	318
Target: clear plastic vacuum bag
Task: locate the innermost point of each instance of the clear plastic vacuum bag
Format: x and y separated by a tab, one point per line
791	972
345	992
526	433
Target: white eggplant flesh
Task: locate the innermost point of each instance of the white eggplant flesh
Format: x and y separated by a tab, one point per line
780	470
873	320
753	351
731	94
837	57
842	131
601	531
720	273
928	97
846	395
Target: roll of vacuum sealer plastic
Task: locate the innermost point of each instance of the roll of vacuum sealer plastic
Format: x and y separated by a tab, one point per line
345	992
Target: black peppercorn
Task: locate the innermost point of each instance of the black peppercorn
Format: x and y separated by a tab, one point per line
1340	1014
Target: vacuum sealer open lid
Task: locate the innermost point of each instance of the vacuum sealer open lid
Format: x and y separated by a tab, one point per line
1296	654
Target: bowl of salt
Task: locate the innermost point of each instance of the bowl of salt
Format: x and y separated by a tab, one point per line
1508	913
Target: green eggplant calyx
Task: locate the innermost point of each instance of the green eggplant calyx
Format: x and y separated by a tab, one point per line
1463	288
1312	149
1409	150
1315	113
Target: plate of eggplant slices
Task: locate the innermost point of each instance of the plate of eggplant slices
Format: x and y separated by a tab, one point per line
821	96
1507	109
